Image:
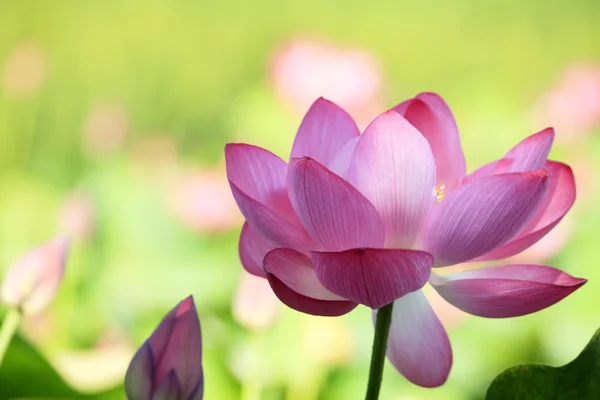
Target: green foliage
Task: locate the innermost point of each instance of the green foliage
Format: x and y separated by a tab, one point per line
25	373
579	379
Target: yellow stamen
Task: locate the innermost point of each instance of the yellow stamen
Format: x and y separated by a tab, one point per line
439	192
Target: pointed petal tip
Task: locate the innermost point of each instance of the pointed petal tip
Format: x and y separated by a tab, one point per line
232	148
323	132
185	305
538	174
429	98
577	282
235	146
229	147
549	131
393	115
301	161
390	116
322	100
532	152
429	94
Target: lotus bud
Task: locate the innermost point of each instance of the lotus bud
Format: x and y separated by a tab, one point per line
31	283
168	366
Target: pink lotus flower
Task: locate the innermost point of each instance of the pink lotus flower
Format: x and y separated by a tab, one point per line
169	363
32	282
361	219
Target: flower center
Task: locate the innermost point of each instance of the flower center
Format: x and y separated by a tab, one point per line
439	192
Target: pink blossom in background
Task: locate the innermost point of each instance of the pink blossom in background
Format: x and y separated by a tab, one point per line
362	219
24	70
77	216
201	200
33	280
169	363
306	69
255	306
573	105
105	129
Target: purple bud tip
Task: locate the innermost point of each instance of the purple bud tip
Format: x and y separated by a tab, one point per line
185	305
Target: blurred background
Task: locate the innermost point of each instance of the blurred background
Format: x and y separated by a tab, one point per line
113	119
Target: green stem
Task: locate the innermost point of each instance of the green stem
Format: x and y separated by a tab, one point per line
382	330
8	329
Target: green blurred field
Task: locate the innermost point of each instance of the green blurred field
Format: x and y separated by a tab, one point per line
185	77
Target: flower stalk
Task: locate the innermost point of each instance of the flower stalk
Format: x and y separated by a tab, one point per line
382	330
8	330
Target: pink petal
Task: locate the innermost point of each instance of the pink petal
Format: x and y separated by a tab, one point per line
558	200
430	114
418	345
297	272
373	277
335	214
394	168
252	249
324	131
482	215
531	153
507	290
306	304
258	181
